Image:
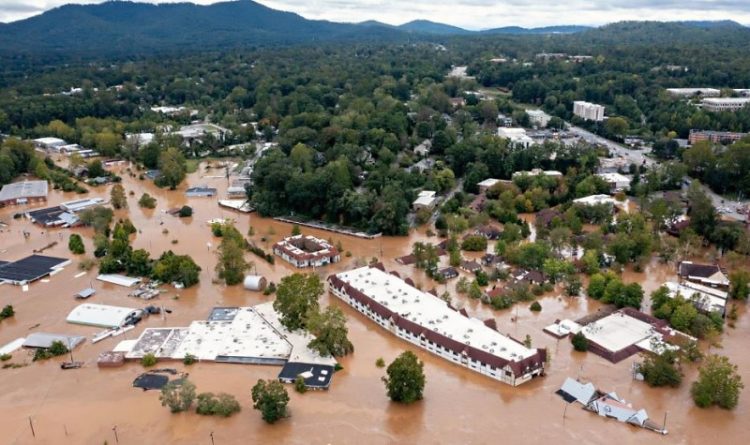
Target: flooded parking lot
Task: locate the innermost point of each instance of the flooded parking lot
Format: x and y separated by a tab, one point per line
83	406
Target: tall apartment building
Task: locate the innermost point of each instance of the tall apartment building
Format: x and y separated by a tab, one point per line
588	111
538	118
716	104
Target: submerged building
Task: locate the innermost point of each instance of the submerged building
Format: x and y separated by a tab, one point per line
428	322
306	251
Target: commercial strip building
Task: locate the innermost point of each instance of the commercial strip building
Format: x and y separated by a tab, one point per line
588	111
516	135
430	323
49	143
306	251
23	192
30	269
626	332
717	137
64	215
717	104
240	335
692	92
539	171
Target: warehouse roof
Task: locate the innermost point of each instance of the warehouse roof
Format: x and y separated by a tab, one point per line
24	189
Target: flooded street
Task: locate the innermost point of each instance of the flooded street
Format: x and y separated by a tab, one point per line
83	406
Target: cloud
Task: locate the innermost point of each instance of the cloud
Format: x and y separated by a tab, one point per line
471	14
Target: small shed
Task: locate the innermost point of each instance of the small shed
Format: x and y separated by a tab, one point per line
255	282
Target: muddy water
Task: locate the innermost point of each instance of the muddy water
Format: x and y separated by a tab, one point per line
83	406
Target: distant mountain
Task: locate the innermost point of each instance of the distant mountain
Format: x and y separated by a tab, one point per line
564	29
667	33
117	27
428	27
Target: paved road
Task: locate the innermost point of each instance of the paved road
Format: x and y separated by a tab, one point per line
637	157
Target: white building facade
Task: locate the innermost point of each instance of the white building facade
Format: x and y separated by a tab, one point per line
588	111
428	322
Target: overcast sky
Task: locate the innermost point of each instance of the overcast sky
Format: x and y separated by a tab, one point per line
470	14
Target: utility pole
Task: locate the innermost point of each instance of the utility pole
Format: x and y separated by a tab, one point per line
114	428
31	425
212	438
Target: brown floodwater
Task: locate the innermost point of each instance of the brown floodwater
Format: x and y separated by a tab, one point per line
83	406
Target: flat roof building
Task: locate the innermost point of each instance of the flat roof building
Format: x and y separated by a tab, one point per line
625	333
23	192
516	135
717	137
430	323
200	191
692	92
49	143
717	104
306	251
588	111
616	181
487	184
538	118
102	315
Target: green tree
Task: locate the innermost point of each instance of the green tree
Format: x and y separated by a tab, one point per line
172	168
297	297
474	243
176	268
739	287
406	380
271	399
75	244
178	395
231	266
580	342
223	404
331	334
718	383
661	369
117	197
147	201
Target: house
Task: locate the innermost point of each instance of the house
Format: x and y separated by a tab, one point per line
615	181
424	148
471	266
706	299
447	273
425	200
606	404
488	231
200	191
707	274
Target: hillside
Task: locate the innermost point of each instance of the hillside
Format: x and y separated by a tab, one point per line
428	27
128	27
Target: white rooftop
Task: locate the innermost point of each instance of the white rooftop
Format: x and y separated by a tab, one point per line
618	331
120	280
726	100
24	189
100	315
613	177
432	313
691	91
563	327
708	299
488	182
50	141
595	200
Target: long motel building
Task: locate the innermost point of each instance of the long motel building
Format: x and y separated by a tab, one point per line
429	322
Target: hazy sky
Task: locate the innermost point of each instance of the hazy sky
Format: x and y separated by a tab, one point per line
471	14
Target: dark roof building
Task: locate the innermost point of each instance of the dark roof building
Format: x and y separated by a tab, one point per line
708	274
316	376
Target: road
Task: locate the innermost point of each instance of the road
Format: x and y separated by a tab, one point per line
726	207
633	156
